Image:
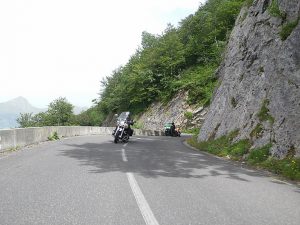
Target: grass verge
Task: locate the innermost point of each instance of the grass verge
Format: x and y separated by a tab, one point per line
194	131
260	157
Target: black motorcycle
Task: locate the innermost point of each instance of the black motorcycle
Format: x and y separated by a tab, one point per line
123	130
171	130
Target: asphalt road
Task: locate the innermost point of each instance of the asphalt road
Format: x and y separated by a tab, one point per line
150	180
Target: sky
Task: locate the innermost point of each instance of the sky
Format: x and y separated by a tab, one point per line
64	48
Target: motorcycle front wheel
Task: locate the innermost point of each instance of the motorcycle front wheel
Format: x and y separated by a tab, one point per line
116	140
116	137
125	139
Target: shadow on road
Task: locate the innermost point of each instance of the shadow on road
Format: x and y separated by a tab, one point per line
160	157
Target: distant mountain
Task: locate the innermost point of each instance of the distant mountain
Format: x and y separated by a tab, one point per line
18	105
10	111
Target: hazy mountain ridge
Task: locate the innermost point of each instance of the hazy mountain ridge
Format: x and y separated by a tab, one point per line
10	111
18	105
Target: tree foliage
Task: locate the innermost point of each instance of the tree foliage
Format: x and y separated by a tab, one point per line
90	117
25	120
60	112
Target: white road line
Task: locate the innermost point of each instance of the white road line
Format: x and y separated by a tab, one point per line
124	155
141	201
149	139
125	144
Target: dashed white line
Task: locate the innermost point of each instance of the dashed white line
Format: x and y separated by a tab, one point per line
149	139
124	155
141	201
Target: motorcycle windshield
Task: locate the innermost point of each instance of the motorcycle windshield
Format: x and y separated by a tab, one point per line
123	116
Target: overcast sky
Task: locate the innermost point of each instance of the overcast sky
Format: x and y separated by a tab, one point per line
53	48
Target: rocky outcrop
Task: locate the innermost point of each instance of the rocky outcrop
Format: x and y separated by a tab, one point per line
177	111
260	80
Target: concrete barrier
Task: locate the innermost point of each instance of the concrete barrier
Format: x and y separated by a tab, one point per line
20	137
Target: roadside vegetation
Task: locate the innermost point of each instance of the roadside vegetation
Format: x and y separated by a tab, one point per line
225	146
194	131
53	136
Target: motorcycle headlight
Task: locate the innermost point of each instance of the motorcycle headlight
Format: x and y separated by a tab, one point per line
126	125
122	123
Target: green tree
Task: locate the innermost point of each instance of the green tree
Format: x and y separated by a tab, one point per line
148	40
41	119
25	120
60	112
91	117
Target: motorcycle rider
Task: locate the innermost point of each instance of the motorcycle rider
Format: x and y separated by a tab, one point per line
129	122
126	116
173	129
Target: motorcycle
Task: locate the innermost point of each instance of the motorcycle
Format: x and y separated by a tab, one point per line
170	130
123	130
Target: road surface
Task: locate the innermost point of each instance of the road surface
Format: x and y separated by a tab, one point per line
150	180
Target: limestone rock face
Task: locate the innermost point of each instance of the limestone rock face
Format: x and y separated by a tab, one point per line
260	81
174	111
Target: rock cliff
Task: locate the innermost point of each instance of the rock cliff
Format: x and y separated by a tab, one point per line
177	111
259	92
